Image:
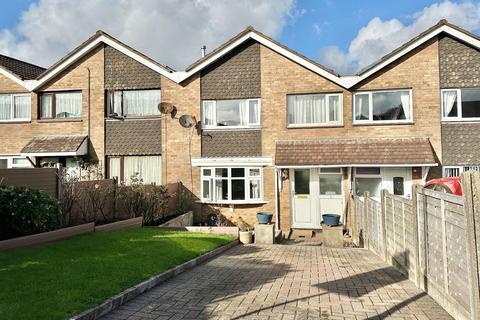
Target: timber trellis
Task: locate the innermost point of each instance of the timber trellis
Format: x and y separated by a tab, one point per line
434	238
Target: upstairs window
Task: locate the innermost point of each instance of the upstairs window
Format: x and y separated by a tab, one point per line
15	107
61	105
231	113
133	103
461	104
392	106
305	110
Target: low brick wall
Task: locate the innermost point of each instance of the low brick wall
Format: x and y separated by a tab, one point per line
184	220
46	237
231	231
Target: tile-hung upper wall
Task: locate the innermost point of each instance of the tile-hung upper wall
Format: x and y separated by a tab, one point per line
459	68
130	137
235	76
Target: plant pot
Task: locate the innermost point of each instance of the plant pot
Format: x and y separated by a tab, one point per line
331	219
246	237
264	217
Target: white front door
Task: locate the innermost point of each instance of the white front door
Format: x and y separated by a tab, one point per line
331	195
398	181
302	206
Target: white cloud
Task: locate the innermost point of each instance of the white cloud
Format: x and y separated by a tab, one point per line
379	37
170	31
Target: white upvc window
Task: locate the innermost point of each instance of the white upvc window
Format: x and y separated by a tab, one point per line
14	162
368	179
314	110
15	107
460	104
223	114
231	185
456	171
383	106
133	103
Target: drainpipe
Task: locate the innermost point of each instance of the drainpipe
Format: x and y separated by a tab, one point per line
277	217
88	106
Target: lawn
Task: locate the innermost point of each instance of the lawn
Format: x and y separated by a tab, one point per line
64	278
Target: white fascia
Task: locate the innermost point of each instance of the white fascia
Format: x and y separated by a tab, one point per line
231	162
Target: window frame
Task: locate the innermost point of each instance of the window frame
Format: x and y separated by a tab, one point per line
459	116
329	123
370	120
216	127
378	175
121	178
247	178
12	165
461	169
53	94
12	107
111	115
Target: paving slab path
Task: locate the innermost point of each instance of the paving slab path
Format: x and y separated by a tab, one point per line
289	281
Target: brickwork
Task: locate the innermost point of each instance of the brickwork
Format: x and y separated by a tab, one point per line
16	136
286	282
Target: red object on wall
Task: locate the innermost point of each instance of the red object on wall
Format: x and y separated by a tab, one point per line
448	185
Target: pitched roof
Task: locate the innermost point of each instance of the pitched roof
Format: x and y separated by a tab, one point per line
355	151
90	44
54	144
22	69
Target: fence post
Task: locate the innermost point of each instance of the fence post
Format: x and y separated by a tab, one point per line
471	193
415	239
115	195
366	229
383	223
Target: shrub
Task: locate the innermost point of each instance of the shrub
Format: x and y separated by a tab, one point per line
25	211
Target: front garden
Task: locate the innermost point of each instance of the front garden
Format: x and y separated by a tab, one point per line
61	279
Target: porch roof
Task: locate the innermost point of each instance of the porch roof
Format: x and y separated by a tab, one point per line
355	151
58	145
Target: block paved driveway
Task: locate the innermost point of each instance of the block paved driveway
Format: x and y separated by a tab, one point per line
296	281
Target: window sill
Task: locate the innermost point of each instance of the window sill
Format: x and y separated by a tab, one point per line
155	117
383	123
233	202
59	120
231	128
15	121
461	120
338	125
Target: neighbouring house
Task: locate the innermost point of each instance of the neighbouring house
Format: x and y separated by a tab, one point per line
274	130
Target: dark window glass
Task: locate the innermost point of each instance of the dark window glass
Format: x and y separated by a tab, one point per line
221	172
302	181
398	186
238	189
389	106
238	172
470	103
368	170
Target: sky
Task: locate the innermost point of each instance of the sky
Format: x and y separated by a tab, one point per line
344	35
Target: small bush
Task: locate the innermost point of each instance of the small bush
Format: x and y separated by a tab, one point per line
25	211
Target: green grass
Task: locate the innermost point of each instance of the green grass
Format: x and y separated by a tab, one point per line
64	278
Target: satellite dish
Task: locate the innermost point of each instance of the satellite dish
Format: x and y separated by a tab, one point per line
166	107
187	121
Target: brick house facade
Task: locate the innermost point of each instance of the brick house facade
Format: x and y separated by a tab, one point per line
275	131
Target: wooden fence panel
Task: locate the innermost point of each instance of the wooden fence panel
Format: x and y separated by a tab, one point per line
45	179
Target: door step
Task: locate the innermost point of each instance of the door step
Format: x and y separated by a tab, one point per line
301	234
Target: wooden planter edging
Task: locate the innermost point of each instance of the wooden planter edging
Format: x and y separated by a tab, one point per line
124	224
60	234
45	237
132	292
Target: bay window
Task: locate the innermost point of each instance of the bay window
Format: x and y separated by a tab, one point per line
129	169
15	107
231	185
314	110
461	104
133	103
368	179
231	113
382	106
61	105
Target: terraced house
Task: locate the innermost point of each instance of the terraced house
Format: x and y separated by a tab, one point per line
275	131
